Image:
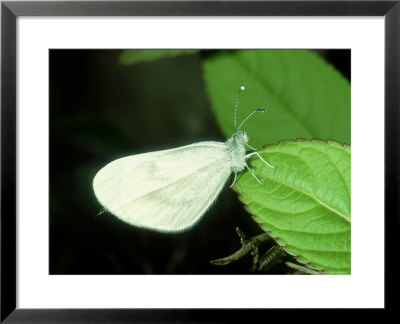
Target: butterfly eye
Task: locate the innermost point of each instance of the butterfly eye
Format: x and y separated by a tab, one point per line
241	137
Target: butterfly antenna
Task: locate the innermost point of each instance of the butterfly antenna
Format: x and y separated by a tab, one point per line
255	111
236	105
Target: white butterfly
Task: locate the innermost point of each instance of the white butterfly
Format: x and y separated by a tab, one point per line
169	191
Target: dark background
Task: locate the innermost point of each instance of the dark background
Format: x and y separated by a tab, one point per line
101	111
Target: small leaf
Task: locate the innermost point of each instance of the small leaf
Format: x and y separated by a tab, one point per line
129	57
305	97
304	203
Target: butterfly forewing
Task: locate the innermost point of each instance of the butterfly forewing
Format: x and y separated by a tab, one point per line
165	190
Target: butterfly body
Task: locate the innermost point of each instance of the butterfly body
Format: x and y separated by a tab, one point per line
236	146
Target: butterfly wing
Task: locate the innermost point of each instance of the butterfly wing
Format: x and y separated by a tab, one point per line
166	190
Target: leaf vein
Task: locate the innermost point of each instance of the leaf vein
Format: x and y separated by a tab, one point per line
284	105
304	193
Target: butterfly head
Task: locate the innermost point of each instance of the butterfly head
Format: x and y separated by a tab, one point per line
240	137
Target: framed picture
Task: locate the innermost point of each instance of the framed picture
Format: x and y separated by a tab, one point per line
125	123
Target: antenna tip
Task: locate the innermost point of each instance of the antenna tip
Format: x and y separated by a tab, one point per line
242	88
261	110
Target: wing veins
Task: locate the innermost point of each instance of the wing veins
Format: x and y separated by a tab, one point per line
165	186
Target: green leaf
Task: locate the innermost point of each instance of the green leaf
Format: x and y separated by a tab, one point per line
304	202
305	97
129	57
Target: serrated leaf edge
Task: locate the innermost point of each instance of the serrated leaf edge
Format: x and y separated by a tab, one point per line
327	141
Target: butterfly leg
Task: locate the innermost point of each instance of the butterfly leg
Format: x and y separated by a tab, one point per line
254	176
102	211
234	180
251	147
256	153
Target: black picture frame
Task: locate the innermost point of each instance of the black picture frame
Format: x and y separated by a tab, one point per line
10	10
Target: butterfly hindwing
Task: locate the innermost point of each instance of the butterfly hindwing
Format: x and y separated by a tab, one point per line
166	190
